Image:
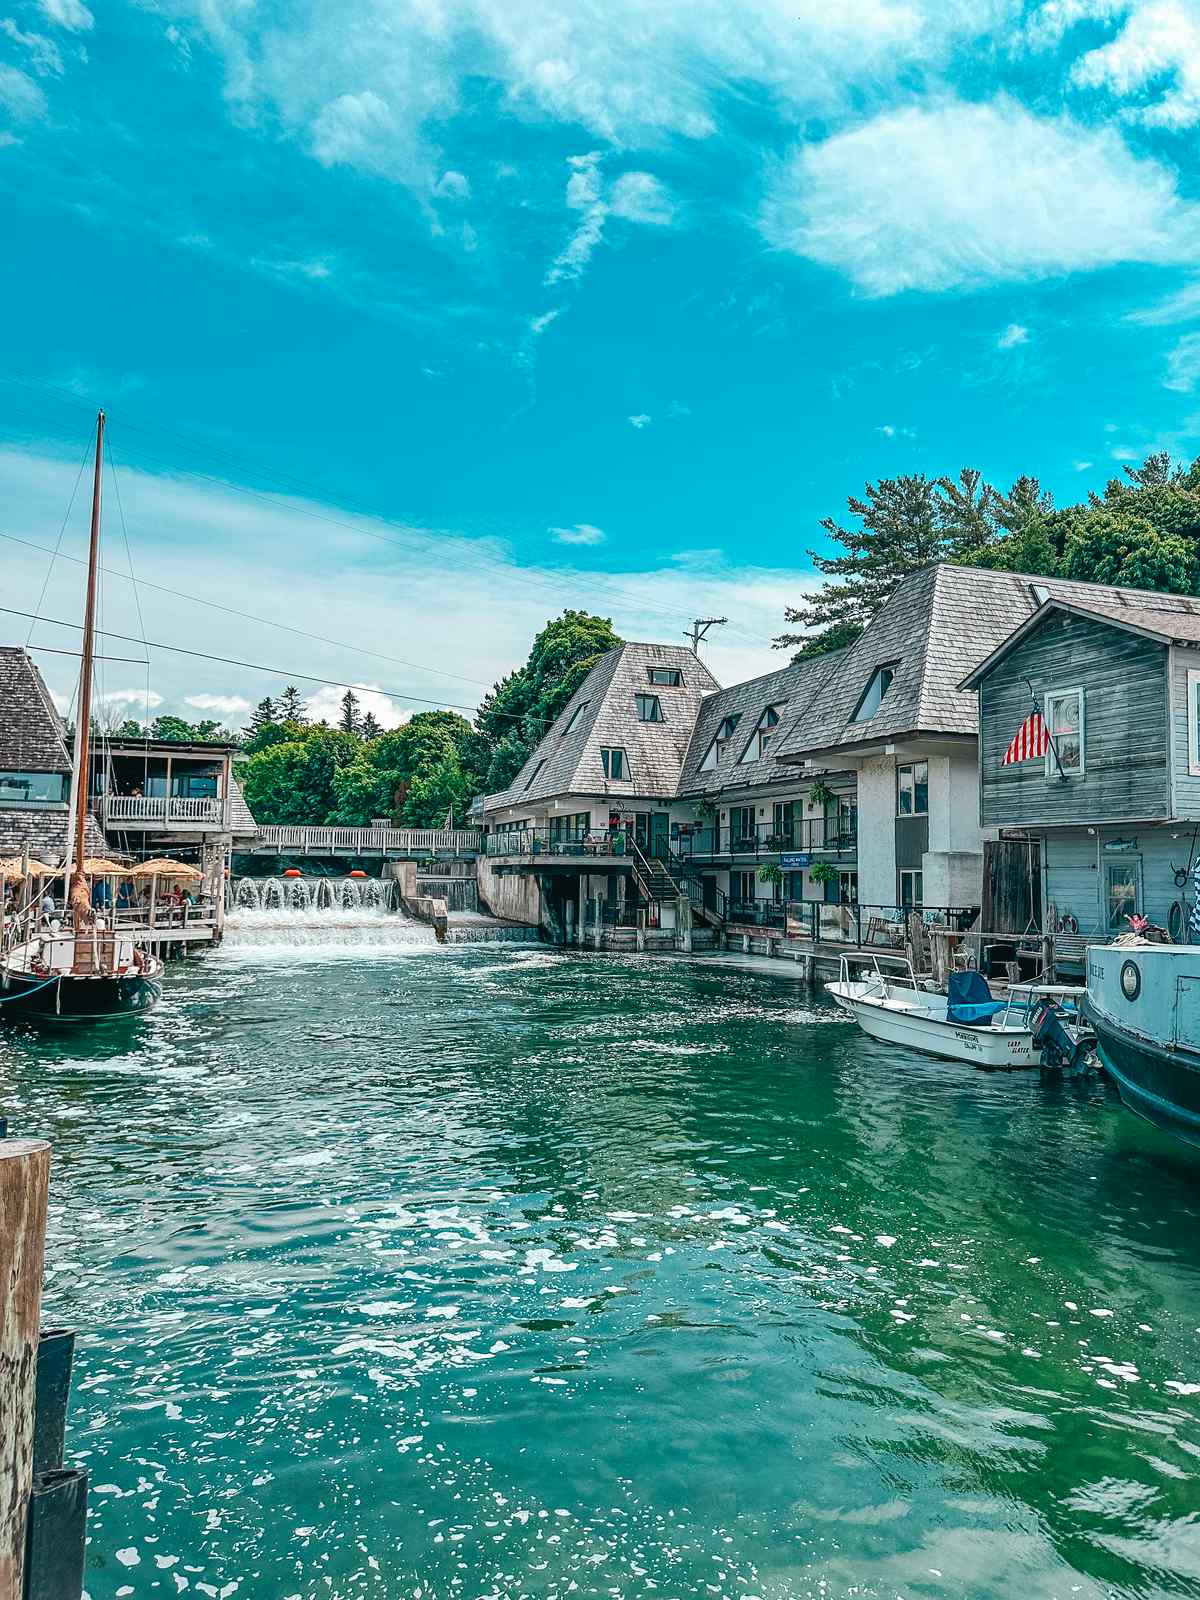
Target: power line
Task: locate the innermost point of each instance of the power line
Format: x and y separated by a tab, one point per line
278	672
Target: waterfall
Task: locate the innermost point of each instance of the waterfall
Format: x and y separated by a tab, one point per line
318	912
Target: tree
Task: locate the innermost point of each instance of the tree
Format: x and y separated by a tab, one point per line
515	714
369	728
900	530
967	510
293	781
383	774
350	721
1113	547
439	789
291	707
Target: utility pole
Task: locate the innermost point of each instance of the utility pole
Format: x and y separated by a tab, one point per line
699	630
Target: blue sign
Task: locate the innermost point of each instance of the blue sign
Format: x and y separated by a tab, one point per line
793	861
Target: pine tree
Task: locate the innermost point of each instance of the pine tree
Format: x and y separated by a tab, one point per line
265	714
350	721
368	727
291	707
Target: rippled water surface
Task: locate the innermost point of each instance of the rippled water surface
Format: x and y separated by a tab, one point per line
500	1272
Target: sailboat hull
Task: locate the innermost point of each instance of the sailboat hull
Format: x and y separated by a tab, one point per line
70	999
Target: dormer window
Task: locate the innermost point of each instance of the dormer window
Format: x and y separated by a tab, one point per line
575	716
535	775
33	788
762	735
615	764
668	677
649	707
716	750
881	682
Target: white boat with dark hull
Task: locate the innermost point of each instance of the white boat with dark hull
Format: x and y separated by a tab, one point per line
1144	1002
967	1024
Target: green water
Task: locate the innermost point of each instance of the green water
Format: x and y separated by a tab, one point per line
487	1272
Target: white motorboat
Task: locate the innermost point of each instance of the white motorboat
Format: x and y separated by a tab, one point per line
967	1024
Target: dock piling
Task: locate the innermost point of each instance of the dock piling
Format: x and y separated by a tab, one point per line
24	1188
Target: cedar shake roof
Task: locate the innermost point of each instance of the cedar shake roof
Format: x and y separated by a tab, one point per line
791	690
938	626
1175	619
43	832
569	763
31	730
241	820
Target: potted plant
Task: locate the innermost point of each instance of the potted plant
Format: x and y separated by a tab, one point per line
707	810
820	795
823	873
770	872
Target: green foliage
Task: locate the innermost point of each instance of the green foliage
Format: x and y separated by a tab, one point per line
823	872
177	730
294	781
770	872
820	794
1142	533
515	715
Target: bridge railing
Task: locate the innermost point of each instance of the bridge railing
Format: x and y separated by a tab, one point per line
351	841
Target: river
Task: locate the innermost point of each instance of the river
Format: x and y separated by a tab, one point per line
499	1272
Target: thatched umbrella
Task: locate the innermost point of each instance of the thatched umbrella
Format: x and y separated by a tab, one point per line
164	867
12	869
100	867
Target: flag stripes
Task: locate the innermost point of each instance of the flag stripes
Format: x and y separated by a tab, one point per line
1030	741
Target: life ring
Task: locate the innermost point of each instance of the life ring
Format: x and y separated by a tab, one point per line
1176	921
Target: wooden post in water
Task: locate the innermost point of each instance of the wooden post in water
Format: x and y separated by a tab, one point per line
24	1186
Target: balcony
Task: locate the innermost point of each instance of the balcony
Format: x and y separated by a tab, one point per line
812	836
162	813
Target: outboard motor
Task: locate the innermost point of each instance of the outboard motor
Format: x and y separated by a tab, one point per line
1061	1047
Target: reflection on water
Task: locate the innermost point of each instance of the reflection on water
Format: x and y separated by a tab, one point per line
507	1272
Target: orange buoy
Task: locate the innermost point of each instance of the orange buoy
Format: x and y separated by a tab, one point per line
357	873
293	872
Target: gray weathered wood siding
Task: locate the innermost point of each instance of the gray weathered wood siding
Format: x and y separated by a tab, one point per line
1075	878
1124	679
1187	786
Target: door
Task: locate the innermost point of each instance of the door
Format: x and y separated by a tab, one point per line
660	835
1123	891
710	892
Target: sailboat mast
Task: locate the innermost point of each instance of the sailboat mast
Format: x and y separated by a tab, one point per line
83	716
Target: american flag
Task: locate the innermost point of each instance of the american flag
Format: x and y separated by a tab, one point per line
1029	742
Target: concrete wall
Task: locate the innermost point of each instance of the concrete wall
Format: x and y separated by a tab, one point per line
952	877
877	831
514	896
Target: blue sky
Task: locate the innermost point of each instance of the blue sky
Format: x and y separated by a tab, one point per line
418	319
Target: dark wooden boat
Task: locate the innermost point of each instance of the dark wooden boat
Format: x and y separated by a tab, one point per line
86	970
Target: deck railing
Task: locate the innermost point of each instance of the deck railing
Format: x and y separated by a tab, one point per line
852	923
815	835
352	841
545	842
162	810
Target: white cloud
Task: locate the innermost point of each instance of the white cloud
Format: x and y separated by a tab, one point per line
70	14
352	129
1183	364
390	599
1082	466
325	705
581	533
887	430
1155	54
225	705
1014	334
640	197
131	697
958	195
44	55
641	419
1182	306
538	325
20	96
585	195
452	186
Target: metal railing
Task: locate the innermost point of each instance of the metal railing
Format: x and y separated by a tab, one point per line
812	834
544	842
866	926
163	810
351	841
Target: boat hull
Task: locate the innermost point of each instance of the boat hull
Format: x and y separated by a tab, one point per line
77	999
979	1047
1159	1084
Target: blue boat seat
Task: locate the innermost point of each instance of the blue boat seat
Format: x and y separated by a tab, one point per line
970	1000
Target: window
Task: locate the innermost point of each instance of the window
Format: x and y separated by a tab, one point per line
669	677
649	707
912	789
716	750
783	824
563	829
33	788
535	775
575	716
912	890
1193	692
881	682
1123	886
741	828
761	737
1064	724
848	888
615	763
